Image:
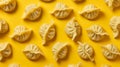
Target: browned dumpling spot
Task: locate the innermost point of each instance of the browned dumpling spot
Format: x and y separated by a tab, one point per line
47	0
110	52
32	52
113	3
115	25
21	34
96	33
14	65
8	5
77	1
86	52
60	51
73	29
5	51
61	11
47	32
3	26
90	12
32	12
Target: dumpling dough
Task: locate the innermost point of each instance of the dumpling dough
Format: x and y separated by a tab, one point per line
47	0
61	11
8	5
86	52
14	65
115	25
21	33
47	32
32	12
96	33
49	65
90	12
110	52
3	26
32	52
60	51
113	3
75	65
77	1
105	65
73	29
5	51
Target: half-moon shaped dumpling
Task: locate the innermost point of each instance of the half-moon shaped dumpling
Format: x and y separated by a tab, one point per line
21	34
61	11
90	12
105	65
75	65
47	32
60	51
3	26
86	52
110	52
77	1
96	33
32	52
14	65
115	25
113	3
5	51
47	0
32	12
73	29
8	5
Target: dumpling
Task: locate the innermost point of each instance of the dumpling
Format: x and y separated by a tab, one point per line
115	25
5	51
21	34
96	33
90	12
47	32
105	65
8	5
3	26
73	29
113	3
110	52
77	1
62	11
32	52
14	65
75	65
32	12
60	51
47	0
86	52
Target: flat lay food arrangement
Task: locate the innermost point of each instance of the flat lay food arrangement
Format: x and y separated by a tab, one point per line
59	33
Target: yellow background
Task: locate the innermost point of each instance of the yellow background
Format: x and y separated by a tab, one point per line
15	19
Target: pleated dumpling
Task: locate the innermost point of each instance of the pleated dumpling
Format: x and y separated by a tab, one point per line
14	65
47	32
90	12
21	34
61	11
73	29
3	26
86	52
110	52
32	52
47	0
8	5
32	12
60	51
5	51
75	65
96	33
113	3
115	25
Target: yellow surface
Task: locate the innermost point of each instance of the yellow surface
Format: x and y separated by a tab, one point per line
15	19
